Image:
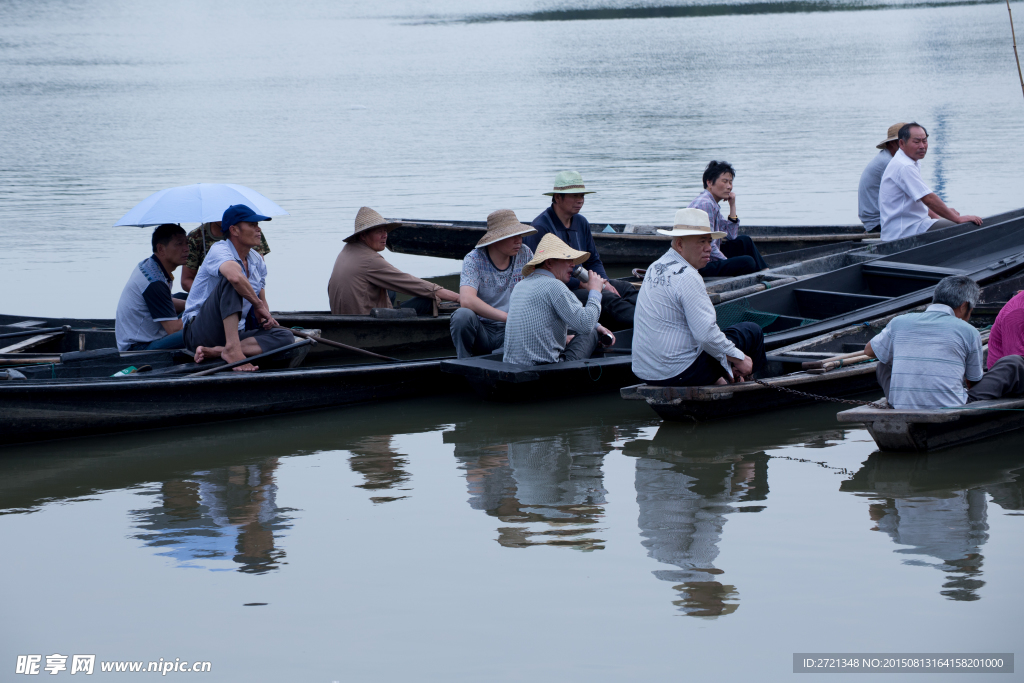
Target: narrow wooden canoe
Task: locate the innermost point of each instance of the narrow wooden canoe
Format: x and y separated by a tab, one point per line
495	380
629	244
811	306
74	399
701	404
923	431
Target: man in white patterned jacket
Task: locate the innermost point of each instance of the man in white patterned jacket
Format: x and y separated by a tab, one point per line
542	310
676	338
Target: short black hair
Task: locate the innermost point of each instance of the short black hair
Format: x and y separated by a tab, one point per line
165	233
904	133
716	169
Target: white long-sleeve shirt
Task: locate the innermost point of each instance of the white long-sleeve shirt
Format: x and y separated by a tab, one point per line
675	321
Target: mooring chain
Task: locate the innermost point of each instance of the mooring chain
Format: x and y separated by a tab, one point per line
817	397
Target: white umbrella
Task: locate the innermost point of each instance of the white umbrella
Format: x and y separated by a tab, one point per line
199	203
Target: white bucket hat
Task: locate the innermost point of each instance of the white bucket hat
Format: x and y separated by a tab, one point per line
552	247
691	222
569	182
502	224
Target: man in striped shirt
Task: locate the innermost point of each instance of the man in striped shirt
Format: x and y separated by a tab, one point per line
933	359
542	310
676	340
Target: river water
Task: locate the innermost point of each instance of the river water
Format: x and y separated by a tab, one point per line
454	540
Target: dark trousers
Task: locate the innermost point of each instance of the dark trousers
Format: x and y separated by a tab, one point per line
742	258
706	370
421	304
207	327
616	311
1006	378
581	347
475	337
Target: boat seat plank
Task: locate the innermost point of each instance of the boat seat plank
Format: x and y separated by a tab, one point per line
31	342
939	415
819	304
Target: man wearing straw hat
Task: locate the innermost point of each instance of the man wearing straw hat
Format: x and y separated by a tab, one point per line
563	220
489	273
361	277
871	178
542	310
676	338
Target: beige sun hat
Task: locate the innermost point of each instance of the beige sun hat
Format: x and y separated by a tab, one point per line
691	222
569	182
892	134
368	219
502	224
552	247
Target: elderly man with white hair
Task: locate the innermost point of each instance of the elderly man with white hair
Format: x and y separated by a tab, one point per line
934	359
676	338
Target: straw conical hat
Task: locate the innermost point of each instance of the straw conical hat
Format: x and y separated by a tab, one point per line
502	224
569	182
891	134
552	247
368	219
691	222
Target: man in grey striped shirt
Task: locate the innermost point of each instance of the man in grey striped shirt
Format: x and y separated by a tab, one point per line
934	359
542	309
676	338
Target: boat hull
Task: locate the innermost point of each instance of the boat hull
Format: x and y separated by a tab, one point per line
47	409
922	431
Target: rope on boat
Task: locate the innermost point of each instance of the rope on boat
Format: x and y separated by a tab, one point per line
819	397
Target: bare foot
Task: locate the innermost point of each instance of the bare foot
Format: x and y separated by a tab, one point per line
208	352
235	354
248	367
721	381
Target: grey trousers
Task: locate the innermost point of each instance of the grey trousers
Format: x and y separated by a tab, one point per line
581	347
207	327
1006	378
474	337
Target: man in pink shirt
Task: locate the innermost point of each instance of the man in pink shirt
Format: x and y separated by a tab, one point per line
1007	338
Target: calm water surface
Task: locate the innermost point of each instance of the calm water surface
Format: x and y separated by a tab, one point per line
420	111
426	540
415	541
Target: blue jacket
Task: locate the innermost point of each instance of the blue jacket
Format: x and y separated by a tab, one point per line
578	236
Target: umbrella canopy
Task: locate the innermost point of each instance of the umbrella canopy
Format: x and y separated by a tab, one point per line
199	203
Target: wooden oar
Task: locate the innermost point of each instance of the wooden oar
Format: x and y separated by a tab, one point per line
338	345
221	368
30	332
819	364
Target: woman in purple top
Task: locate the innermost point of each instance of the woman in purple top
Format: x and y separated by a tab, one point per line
736	254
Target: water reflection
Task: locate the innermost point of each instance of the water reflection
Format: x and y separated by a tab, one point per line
545	485
684	497
381	465
220	515
936	507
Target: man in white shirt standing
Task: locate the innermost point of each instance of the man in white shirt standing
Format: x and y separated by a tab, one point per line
871	178
676	338
908	207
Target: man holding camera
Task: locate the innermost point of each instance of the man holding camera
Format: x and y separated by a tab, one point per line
542	310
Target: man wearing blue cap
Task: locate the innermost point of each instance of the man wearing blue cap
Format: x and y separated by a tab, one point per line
231	284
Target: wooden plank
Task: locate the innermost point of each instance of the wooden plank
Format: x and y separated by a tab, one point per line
31	342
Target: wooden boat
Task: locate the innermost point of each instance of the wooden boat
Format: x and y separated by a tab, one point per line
784	370
922	431
625	243
495	380
390	332
793	312
79	396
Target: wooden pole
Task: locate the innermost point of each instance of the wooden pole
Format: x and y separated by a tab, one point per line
1016	56
339	345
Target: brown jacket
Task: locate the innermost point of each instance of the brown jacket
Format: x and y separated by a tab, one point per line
361	278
